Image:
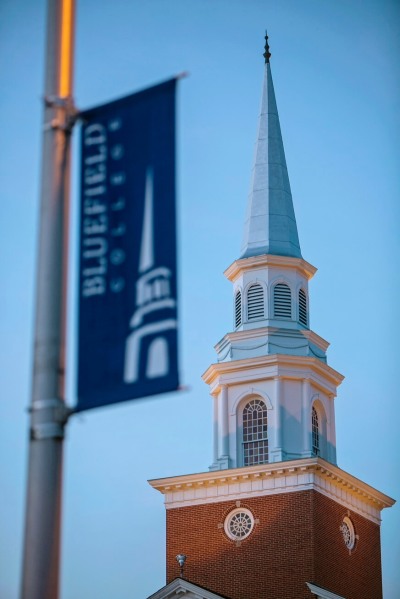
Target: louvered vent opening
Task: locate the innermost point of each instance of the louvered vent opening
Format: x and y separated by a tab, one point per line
238	309
303	307
282	301
255	302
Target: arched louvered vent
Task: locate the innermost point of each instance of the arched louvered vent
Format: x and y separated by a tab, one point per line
238	309
255	302
315	431
282	301
303	317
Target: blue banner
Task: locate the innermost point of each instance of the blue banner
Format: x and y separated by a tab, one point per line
127	339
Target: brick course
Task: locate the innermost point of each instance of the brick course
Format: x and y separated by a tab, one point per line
296	540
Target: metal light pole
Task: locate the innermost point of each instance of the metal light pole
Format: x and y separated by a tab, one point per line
40	579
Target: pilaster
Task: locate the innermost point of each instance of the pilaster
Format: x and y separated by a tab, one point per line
276	453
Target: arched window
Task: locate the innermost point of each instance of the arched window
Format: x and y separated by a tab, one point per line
255	439
315	432
255	302
303	316
282	301
238	309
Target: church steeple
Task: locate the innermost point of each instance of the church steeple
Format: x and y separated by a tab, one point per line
270	223
271	363
275	500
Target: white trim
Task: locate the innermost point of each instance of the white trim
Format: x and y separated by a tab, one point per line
245	264
281	279
322	593
320	373
250	393
271	479
181	587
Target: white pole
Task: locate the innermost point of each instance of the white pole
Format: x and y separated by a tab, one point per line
40	576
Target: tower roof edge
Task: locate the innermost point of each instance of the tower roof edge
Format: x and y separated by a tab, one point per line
267	260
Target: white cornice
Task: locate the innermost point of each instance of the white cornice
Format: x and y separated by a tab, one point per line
279	361
268	260
272	479
316	339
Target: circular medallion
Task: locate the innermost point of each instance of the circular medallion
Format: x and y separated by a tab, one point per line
348	532
239	524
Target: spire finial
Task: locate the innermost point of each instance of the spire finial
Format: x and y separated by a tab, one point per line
267	53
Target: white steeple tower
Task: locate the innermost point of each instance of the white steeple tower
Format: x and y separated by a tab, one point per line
273	390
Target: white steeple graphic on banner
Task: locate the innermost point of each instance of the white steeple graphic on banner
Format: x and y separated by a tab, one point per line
153	294
270	224
146	259
273	390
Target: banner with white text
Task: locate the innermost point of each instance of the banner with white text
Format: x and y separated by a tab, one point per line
127	338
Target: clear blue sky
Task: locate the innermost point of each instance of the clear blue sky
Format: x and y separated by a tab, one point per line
336	76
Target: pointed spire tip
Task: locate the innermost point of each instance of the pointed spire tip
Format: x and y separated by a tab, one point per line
270	223
267	53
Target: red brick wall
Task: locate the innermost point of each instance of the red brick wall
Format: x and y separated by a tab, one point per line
273	562
296	540
356	575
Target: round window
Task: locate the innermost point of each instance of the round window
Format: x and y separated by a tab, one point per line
239	524
348	533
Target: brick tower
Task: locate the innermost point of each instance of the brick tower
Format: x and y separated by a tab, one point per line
275	517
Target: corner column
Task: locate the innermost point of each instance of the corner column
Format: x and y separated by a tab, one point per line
224	428
221	459
215	428
331	430
305	416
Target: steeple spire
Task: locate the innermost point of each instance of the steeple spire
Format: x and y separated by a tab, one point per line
270	224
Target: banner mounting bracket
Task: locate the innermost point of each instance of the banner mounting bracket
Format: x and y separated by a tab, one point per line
70	112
